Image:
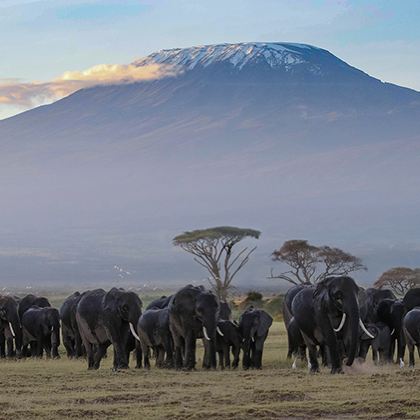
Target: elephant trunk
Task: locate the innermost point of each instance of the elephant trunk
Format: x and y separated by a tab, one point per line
209	333
16	330
351	309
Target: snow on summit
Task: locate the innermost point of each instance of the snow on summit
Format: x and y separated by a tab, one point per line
275	54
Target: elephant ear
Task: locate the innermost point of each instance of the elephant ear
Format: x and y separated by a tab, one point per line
185	299
264	324
112	299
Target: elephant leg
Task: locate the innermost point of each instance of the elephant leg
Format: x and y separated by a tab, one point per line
220	355
46	345
374	355
2	345
236	349
392	350
411	354
89	352
226	351
160	361
246	359
313	359
259	348
189	362
78	345
400	348
168	351
178	353
68	345
139	354
98	355
9	343
206	356
39	348
146	357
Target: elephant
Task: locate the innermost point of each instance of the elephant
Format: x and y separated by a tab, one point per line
105	318
32	300
193	313
372	300
228	339
328	315
412	299
381	344
159	303
153	331
10	327
254	325
411	330
391	312
71	336
296	343
41	329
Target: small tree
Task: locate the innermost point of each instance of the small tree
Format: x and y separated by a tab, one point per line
213	249
399	280
310	264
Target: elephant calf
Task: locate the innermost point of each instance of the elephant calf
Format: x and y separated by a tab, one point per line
153	330
381	343
253	327
228	339
41	329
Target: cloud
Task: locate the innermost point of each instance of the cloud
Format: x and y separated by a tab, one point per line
28	94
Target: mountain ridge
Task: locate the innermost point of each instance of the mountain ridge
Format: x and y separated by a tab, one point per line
110	174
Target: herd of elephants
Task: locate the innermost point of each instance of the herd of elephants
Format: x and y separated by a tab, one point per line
333	322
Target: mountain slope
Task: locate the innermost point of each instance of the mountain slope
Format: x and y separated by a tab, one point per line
282	137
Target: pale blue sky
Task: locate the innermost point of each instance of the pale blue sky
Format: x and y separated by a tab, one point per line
41	39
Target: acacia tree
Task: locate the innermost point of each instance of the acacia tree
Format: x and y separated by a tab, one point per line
309	264
213	249
399	279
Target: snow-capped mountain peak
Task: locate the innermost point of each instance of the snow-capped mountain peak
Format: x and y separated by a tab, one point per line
275	54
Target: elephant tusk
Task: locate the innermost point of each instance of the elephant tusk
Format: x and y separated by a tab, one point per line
205	334
343	320
253	339
294	363
219	331
362	326
393	330
12	330
133	331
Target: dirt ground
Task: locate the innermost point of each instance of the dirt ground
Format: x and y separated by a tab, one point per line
65	389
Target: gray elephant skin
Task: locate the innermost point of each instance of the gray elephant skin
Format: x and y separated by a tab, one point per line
328	315
10	328
193	314
41	330
106	318
254	325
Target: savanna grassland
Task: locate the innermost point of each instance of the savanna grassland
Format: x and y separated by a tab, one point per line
65	389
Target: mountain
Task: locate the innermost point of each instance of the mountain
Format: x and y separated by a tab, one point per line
282	137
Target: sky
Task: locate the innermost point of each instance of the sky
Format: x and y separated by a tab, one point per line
46	43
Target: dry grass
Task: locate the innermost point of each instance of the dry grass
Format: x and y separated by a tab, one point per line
65	389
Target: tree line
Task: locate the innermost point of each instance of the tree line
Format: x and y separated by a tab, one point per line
218	251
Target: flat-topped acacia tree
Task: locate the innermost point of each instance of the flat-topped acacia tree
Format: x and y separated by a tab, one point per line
213	249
